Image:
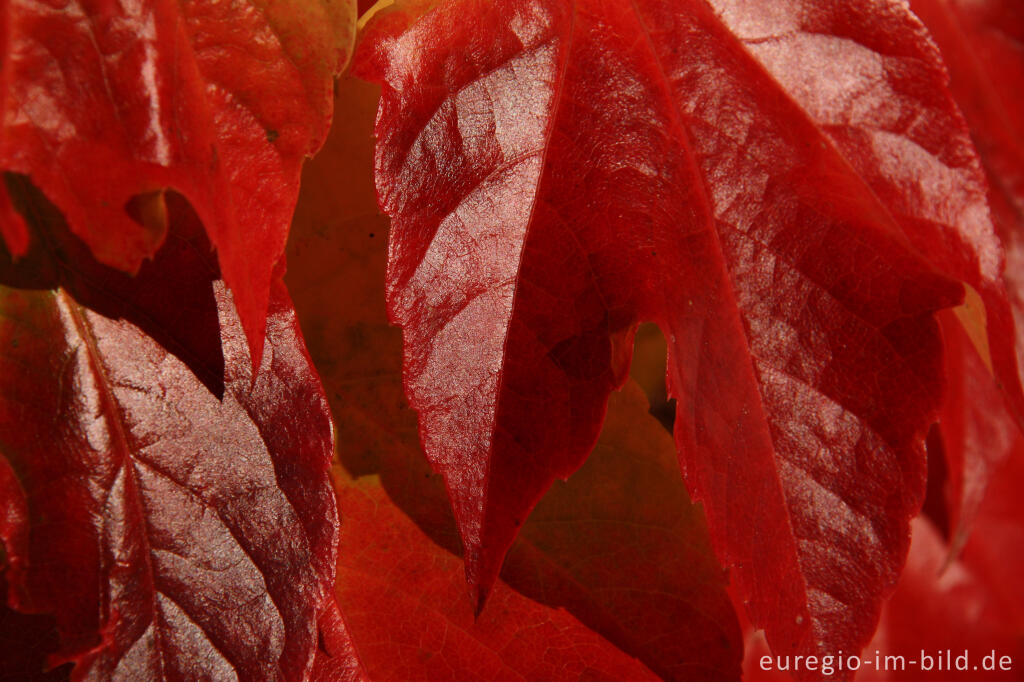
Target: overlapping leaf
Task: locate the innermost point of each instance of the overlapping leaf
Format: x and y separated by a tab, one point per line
619	547
971	605
980	43
170	533
107	104
557	172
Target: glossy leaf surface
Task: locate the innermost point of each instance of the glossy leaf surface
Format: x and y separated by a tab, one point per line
870	79
619	547
105	104
556	173
170	533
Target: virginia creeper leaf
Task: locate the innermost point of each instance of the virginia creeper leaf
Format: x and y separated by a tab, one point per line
619	547
976	432
995	553
876	87
170	533
939	607
981	44
936	608
103	103
972	602
557	172
669	608
336	659
395	575
396	569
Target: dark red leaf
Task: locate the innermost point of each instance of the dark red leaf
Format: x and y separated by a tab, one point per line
221	102
170	533
558	172
337	659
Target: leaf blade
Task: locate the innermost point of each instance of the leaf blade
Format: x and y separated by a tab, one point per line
157	510
664	102
220	102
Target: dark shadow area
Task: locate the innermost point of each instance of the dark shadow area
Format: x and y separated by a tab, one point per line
936	506
648	369
26	641
171	298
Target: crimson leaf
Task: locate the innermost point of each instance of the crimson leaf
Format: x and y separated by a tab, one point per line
557	172
982	44
619	547
170	533
105	105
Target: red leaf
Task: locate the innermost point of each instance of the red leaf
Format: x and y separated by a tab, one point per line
337	659
981	43
877	89
171	534
556	174
619	547
976	433
405	599
974	603
937	608
971	603
222	102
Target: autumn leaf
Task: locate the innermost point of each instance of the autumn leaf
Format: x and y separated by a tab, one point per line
556	174
972	604
405	595
436	637
619	547
939	608
980	44
107	105
949	613
170	533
